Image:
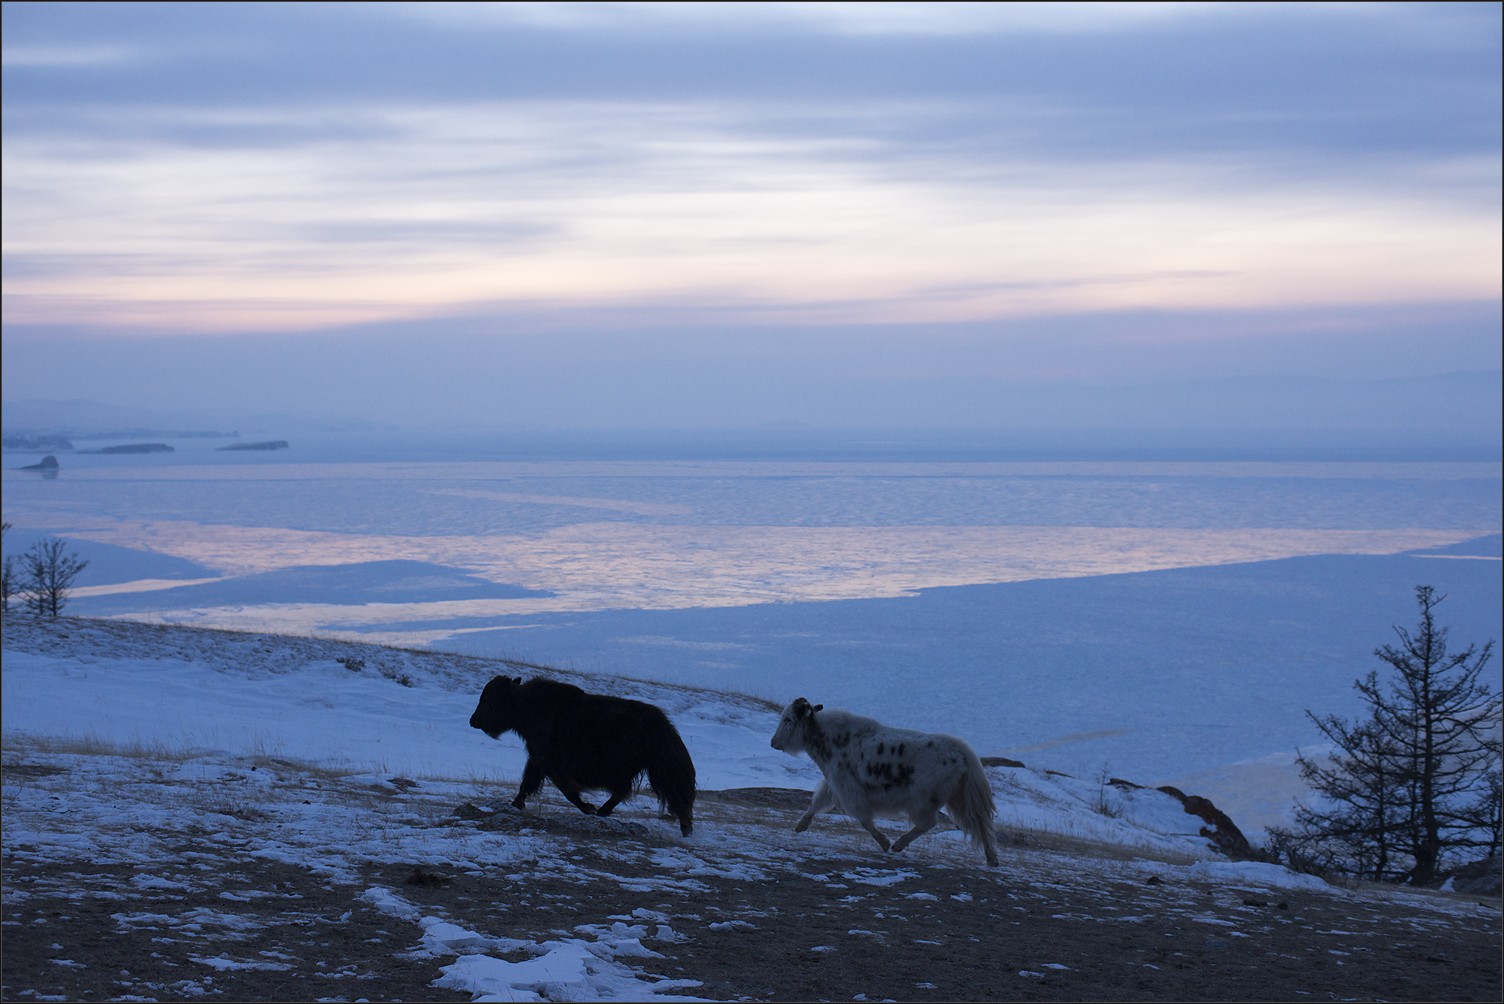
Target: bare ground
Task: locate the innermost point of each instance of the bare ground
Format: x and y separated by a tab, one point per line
1055	922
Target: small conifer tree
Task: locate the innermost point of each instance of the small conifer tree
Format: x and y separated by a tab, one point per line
1414	786
49	572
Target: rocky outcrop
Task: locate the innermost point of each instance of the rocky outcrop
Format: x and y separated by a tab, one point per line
1219	829
1003	761
1481	878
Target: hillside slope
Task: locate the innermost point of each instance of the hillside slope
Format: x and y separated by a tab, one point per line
192	813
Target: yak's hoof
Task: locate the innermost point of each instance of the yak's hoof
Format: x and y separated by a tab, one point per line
517	803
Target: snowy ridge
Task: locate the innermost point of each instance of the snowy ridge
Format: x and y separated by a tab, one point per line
409	711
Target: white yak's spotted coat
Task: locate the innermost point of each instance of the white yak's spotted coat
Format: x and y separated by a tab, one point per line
872	768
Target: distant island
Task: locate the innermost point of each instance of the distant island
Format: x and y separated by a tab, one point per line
270	444
64	438
144	432
40	441
35	441
133	448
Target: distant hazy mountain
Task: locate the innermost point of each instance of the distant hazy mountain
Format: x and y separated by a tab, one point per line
92	416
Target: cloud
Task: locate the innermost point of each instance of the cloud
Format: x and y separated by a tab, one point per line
907	19
801	210
70	56
850	173
802	230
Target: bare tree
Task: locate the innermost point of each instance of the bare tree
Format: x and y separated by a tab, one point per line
1416	781
1487	813
7	572
1365	801
50	572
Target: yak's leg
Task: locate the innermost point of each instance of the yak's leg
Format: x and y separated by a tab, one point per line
878	835
823	799
853	802
612	802
532	780
923	821
571	791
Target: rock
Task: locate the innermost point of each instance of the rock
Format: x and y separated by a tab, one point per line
423	877
1220	830
1481	878
1000	761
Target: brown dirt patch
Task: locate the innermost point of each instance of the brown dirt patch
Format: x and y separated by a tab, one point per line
826	919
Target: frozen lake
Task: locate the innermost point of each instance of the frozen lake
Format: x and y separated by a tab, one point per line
1157	619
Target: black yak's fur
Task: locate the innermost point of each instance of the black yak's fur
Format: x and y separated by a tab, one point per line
584	741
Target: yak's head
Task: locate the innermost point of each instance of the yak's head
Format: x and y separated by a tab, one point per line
497	710
789	736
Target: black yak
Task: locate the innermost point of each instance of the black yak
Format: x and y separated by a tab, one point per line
584	741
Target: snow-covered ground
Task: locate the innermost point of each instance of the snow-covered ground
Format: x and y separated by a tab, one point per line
116	686
332	756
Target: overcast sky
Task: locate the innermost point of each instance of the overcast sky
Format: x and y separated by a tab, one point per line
845	214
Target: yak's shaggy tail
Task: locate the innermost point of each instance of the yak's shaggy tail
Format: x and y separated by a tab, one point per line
671	775
972	807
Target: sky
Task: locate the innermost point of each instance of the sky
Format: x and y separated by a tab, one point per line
687	215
